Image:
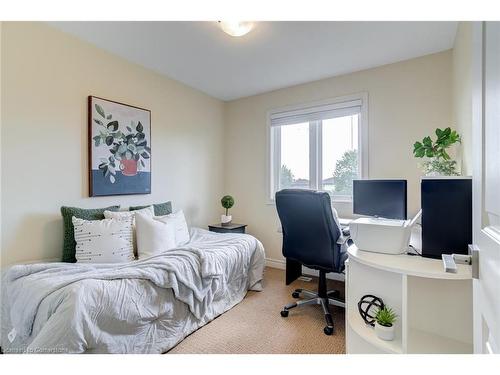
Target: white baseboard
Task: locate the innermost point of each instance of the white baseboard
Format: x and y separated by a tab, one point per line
276	263
281	265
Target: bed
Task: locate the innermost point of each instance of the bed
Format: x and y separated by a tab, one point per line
144	306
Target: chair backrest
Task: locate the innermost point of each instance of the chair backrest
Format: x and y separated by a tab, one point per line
310	233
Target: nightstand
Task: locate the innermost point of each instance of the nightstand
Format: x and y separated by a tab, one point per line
230	228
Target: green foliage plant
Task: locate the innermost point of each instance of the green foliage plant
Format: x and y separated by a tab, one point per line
441	162
346	169
227	202
286	177
386	317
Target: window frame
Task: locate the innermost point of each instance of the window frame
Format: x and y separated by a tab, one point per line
315	145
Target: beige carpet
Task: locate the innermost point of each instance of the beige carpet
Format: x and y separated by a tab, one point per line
255	324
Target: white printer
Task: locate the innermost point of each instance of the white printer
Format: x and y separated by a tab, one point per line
380	235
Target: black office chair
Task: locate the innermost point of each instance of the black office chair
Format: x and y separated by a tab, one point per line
310	236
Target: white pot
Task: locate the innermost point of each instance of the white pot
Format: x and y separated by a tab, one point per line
384	333
226	219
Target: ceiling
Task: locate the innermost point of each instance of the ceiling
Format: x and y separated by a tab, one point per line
272	56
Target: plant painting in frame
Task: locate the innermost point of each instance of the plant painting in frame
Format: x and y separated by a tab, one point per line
120	148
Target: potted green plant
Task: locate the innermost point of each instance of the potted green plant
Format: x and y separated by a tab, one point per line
227	202
440	162
384	323
127	150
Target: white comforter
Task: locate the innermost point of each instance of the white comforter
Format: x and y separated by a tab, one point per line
145	306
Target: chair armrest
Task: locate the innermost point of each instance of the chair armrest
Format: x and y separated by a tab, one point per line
343	239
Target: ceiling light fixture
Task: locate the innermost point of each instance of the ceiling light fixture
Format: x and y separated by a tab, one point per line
236	28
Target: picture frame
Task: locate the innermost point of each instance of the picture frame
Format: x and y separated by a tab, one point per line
119	143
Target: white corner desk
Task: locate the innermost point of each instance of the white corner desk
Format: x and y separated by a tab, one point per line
434	307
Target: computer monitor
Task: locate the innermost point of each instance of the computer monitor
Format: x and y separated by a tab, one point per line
380	198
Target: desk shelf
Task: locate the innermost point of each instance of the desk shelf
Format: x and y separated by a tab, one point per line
409	265
425	342
416	288
368	334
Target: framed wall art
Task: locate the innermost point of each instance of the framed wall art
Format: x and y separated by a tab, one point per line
119	148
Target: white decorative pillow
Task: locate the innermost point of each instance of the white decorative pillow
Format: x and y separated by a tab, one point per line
153	236
148	211
179	222
129	214
104	241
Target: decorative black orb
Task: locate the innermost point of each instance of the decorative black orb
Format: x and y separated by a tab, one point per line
368	306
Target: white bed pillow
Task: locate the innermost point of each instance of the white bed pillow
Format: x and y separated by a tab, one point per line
104	241
149	211
153	236
179	222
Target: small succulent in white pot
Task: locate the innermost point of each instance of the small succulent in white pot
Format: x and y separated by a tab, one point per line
384	323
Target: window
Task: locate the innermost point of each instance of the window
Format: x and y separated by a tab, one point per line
320	146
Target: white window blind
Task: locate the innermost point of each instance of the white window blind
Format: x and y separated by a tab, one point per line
316	113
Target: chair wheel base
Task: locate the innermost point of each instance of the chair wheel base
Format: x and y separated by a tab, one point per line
284	313
328	330
295	294
334	294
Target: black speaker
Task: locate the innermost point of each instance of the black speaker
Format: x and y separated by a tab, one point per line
446	216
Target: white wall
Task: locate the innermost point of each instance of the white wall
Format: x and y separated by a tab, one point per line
462	92
46	78
202	147
407	101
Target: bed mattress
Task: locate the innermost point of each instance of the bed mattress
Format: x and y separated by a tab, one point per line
145	306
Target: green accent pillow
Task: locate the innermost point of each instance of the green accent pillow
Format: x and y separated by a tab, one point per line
69	243
161	209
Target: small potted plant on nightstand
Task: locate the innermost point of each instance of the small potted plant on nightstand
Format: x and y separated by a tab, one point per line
227	202
384	323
